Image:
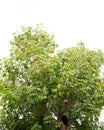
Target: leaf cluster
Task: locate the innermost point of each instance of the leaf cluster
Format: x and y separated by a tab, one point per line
40	87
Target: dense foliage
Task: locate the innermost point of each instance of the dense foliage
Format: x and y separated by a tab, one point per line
42	89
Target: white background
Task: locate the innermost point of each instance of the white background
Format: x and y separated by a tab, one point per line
70	20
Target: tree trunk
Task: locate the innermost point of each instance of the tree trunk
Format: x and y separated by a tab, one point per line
63	127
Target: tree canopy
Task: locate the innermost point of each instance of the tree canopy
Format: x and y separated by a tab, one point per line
45	89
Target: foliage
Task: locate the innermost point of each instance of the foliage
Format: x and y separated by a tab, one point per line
41	89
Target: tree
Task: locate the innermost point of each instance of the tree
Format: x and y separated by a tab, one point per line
42	89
